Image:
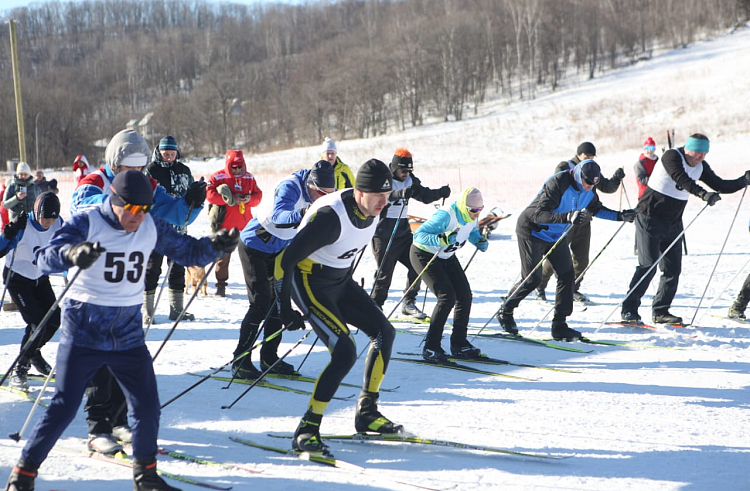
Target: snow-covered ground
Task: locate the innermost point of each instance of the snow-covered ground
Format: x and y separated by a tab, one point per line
671	413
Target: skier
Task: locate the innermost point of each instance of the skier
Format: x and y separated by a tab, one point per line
659	223
263	238
567	198
127	150
393	237
101	317
172	174
579	236
316	269
442	235
29	288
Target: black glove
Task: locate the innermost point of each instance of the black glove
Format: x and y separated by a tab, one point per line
84	255
292	319
399	194
619	174
445	191
15	226
747	177
225	241
579	216
196	193
710	197
626	216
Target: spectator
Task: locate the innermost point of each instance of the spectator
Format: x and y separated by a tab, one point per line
81	168
41	182
342	172
21	192
232	192
645	165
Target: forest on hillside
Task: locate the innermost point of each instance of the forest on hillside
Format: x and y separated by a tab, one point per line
273	76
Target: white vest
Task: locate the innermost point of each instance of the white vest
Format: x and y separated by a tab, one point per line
394	210
350	241
461	236
116	278
264	213
24	262
662	182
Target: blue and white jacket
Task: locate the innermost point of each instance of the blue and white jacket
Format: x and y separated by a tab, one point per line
275	225
26	242
102	309
451	218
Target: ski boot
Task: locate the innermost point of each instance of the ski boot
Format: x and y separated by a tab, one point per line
20	378
630	316
737	311
41	365
561	331
368	418
307	437
410	309
666	318
145	477
434	353
507	322
244	369
464	350
281	368
22	477
104	443
579	297
123	434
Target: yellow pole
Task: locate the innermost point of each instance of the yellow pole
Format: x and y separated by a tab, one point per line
17	91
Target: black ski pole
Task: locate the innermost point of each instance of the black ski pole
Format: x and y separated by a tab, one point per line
514	290
731	225
656	263
387	248
38	329
580	276
308	353
268	370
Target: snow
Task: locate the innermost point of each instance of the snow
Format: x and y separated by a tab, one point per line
672	413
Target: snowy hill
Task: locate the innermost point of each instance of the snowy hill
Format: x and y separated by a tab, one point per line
669	411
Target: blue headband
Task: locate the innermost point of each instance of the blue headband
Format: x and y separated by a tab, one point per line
697	145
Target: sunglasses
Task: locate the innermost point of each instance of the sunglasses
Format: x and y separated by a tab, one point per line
649	148
589	182
476	209
134	209
318	189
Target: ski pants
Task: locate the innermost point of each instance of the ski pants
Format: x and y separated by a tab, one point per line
532	250
153	272
398	253
105	403
447	281
34	298
258	267
653	236
75	367
579	239
332	300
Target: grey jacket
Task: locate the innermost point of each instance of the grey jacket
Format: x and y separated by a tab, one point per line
13	203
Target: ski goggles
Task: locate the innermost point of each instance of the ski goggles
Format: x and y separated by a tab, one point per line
650	148
476	209
134	209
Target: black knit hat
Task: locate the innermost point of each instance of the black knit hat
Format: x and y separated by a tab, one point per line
47	205
132	187
374	177
586	148
590	172
322	175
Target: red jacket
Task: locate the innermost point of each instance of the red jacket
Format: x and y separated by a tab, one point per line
239	214
643	169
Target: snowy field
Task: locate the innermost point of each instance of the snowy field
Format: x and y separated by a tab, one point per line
671	411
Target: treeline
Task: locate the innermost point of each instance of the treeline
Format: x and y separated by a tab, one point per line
219	76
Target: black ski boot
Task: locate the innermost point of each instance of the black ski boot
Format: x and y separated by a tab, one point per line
145	477
465	350
507	322
434	353
666	318
41	365
281	368
307	437
561	331
244	369
737	311
368	418
22	477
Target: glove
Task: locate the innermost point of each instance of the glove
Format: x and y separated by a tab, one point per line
292	319
626	216
18	224
747	177
710	197
84	255
445	191
400	194
196	193
225	193
225	241
446	239
579	216
482	244
619	174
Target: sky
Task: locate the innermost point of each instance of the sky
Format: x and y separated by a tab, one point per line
668	412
